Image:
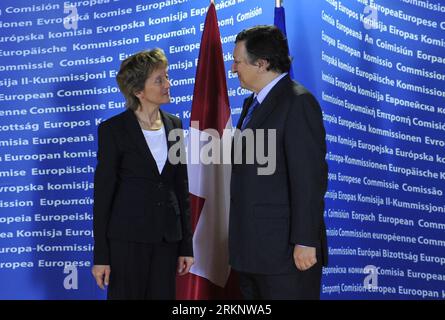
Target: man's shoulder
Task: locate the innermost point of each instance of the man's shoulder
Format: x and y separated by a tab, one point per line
301	99
298	89
290	88
300	94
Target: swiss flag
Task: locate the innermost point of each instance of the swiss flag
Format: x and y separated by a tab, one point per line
209	182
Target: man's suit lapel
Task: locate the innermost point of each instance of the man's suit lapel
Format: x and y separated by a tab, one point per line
132	125
269	103
261	113
247	102
235	138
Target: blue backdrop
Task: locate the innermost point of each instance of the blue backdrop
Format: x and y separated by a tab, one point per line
376	67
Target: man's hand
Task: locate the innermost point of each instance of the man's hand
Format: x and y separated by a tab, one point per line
102	275
304	257
184	265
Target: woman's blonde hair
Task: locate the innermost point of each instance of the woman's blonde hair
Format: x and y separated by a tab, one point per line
135	70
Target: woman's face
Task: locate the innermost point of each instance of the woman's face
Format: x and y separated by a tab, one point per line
157	88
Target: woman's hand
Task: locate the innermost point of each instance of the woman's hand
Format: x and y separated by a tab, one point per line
102	275
184	265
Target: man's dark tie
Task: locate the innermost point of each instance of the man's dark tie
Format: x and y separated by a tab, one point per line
252	107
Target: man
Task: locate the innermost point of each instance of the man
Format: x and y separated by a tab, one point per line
277	236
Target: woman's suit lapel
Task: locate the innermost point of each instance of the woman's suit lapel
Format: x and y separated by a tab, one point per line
132	126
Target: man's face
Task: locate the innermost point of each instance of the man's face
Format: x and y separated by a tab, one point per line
247	73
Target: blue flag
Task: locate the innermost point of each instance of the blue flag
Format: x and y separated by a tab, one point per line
280	22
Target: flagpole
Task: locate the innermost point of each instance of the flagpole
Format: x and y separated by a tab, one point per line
277	3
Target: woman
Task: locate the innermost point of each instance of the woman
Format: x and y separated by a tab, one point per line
142	230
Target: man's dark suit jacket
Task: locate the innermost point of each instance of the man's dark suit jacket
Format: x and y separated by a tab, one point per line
132	201
269	214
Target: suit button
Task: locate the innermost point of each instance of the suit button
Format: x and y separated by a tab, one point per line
160	185
159	204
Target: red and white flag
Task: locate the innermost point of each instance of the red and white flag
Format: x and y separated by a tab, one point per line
209	183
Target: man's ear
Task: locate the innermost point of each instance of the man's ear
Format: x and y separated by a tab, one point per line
262	64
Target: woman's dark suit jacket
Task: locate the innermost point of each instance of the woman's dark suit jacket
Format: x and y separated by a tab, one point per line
132	201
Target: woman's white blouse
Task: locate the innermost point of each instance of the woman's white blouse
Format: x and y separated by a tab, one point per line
157	142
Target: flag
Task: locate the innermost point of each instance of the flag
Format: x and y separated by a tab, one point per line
280	23
209	184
